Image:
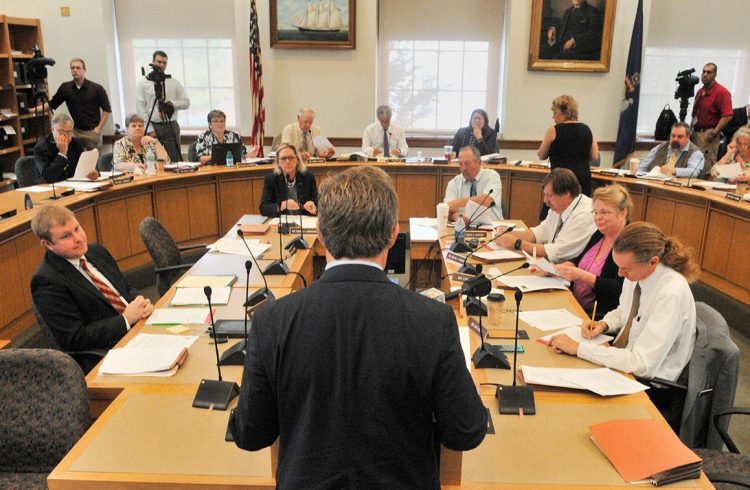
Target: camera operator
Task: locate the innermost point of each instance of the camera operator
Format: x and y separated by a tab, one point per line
174	98
87	103
712	110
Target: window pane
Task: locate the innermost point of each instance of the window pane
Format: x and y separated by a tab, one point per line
223	99
451	65
401	45
475	71
449	115
400	69
425	70
221	67
477	46
451	45
426	45
219	43
424	107
194	43
473	100
200	105
168	43
149	43
196	64
399	101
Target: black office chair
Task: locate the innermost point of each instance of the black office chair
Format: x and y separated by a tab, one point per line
733	467
192	153
26	172
44	411
86	359
104	164
168	264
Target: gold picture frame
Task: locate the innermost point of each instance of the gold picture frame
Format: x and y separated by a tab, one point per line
552	43
313	24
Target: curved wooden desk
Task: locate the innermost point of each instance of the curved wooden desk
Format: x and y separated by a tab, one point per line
195	207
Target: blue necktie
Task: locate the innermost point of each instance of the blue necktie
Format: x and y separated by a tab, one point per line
473	190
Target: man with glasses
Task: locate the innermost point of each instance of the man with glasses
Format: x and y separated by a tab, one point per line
474	183
568	226
680	157
56	156
712	110
302	134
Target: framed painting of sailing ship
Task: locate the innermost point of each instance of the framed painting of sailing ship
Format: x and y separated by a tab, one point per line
571	35
313	24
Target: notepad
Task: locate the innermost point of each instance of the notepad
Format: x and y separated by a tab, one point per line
203	281
528	284
177	316
148	355
602	381
197	296
500	255
255	228
575	334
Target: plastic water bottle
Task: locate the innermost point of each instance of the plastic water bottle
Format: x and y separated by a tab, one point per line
230	159
150	161
460	225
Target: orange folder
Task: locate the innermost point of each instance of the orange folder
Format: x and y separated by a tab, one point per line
255	228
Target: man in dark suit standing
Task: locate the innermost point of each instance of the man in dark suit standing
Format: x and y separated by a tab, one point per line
358	377
78	289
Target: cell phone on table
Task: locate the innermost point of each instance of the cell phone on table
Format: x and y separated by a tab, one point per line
509	348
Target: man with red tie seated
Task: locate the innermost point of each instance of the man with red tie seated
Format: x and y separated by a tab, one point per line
78	289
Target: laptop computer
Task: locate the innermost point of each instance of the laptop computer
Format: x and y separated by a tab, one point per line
219	152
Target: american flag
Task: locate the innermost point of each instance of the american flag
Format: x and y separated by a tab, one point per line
256	79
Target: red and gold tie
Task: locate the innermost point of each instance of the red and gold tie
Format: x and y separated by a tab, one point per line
109	293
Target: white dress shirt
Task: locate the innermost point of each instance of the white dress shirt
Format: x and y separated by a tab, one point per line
373	138
577	228
662	335
487	180
175	94
694	163
292	134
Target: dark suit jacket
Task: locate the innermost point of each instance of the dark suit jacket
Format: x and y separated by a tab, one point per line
608	285
739	119
275	191
73	308
360	378
487	146
52	166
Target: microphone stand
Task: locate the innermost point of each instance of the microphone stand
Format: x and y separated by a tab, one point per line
486	355
472	305
299	243
692	174
459	245
278	267
235	355
470	269
516	400
215	393
262	294
54	196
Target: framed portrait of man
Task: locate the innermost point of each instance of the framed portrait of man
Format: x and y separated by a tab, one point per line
571	35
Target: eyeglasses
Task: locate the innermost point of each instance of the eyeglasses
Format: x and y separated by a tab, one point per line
220	121
287	159
603	212
66	132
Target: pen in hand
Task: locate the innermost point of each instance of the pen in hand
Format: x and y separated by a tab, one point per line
588	329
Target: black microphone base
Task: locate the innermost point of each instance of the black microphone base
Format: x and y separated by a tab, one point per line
514	399
460	247
215	393
262	294
234	356
54	197
283	228
468	269
489	356
276	268
298	243
475	307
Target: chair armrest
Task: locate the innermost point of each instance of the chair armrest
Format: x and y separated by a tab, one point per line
666	382
168	268
192	247
731	446
733	478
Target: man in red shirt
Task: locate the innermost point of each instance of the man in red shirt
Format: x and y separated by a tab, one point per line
712	110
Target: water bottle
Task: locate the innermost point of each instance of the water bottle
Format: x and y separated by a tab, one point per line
150	161
460	225
230	159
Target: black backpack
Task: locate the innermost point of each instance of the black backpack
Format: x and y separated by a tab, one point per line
664	124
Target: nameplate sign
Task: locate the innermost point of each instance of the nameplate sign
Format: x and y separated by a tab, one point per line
673	183
474	325
475	234
460	277
455	258
733	196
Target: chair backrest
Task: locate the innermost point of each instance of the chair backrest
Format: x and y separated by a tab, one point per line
162	248
43	408
712	379
26	172
192	152
104	164
276	142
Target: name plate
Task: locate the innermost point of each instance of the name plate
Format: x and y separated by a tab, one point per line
733	196
673	183
537	165
455	258
474	325
475	234
460	277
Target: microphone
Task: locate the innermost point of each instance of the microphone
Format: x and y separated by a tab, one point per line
516	399
486	355
235	355
262	294
278	267
283	228
459	245
298	243
692	174
54	195
470	269
214	393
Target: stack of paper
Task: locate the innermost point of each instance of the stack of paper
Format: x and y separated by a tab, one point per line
234	246
602	381
528	284
203	281
499	255
148	355
177	316
550	319
184	296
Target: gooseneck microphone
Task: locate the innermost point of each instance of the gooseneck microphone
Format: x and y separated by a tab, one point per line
486	355
692	174
459	245
298	243
214	393
516	400
235	355
262	294
470	269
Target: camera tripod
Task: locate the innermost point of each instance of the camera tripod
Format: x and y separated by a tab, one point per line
160	90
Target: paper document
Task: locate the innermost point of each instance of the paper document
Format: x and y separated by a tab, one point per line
177	316
203	281
234	246
252	219
87	186
498	255
575	334
479	215
548	320
730	171
35	188
541	263
8	129
86	163
528	284
653	174
602	381
157	340
196	296
423	229
464	335
321	143
148	354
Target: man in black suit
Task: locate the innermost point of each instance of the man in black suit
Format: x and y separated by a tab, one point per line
78	289
358	377
56	156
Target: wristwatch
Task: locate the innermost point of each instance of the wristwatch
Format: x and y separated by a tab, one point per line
517	245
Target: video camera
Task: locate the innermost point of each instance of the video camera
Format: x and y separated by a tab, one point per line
36	67
686	83
156	75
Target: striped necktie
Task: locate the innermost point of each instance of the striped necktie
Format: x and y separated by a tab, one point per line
109	294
